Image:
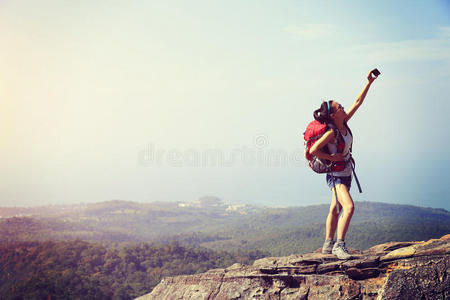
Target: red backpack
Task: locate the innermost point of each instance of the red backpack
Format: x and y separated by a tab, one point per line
314	131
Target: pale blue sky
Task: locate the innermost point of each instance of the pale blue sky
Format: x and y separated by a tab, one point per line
128	99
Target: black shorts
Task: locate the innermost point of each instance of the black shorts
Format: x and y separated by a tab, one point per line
347	181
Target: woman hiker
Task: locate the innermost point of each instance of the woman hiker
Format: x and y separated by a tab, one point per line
339	182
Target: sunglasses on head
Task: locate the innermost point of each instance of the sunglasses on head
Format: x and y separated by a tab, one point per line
329	108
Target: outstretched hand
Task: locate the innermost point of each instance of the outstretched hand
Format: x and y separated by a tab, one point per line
370	76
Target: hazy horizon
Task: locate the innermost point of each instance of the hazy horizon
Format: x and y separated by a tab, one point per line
171	101
224	202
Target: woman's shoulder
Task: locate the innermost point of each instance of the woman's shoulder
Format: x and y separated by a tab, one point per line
332	129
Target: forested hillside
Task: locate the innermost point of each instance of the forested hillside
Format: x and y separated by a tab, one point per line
300	230
82	270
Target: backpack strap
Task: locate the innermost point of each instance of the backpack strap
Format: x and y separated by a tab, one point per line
349	130
337	134
334	128
352	163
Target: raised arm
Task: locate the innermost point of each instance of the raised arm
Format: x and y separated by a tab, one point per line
360	99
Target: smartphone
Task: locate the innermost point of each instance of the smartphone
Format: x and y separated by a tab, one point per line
376	72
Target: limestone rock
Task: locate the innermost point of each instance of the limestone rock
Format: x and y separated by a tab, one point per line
395	270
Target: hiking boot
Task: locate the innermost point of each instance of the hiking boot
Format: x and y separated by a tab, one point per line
340	251
327	247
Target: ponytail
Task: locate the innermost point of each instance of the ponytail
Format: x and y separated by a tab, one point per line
323	113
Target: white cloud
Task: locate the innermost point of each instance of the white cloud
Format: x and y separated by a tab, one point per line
310	30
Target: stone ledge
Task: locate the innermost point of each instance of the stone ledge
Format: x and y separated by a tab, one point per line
379	272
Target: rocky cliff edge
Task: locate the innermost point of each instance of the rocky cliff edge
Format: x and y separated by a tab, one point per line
395	270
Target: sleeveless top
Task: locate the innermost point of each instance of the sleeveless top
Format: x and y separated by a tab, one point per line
332	148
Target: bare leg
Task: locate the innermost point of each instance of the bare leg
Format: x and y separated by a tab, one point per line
333	217
346	202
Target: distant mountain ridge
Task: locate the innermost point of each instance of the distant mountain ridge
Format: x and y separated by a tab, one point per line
209	203
205	204
211	223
